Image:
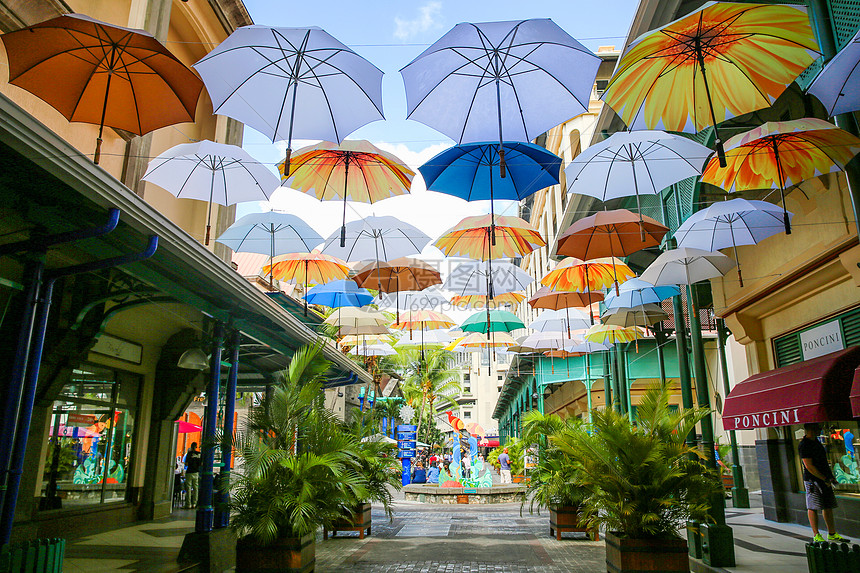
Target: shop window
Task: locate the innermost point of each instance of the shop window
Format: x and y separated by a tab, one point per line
467	415
91	439
840	440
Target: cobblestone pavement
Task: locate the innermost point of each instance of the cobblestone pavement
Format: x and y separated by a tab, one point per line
459	539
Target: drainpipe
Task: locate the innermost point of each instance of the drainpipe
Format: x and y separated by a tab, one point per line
205	512
222	496
740	494
31	378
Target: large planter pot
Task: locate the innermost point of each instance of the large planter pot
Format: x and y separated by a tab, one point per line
358	520
289	555
565	518
624	554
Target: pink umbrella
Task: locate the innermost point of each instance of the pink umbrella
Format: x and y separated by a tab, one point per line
188	427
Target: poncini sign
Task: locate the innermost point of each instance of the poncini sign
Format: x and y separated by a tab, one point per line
821	340
763	420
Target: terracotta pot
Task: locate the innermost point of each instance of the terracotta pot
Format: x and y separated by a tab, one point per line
565	518
358	520
518	479
288	555
624	554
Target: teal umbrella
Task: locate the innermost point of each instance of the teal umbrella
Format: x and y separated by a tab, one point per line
492	321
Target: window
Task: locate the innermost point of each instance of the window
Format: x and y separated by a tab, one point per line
467	389
91	438
840	440
600	86
467	414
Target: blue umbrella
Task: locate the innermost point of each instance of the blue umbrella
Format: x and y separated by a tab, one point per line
339	293
636	292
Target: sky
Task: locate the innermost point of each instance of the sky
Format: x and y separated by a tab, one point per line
390	34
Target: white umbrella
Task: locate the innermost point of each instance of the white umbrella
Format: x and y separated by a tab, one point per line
292	83
354	317
686	266
427	337
379	438
470	278
426	299
213	172
372	350
731	223
377	238
831	86
561	320
550	340
587	347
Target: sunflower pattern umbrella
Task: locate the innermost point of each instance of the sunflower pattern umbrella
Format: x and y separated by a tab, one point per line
353	170
573	274
312	268
720	61
471	238
612	334
781	154
481	300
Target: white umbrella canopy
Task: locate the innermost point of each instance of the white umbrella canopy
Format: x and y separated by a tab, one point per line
587	347
292	83
270	233
372	350
561	320
550	340
425	338
831	86
426	299
645	315
213	172
377	238
686	266
354	317
470	278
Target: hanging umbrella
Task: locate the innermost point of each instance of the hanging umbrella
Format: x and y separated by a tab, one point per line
339	293
511	80
617	233
551	299
729	224
549	340
270	234
98	73
403	273
645	315
426	299
423	320
372	350
470	278
307	268
466	171
358	321
560	320
636	292
634	163
498	321
723	60
686	266
573	274
377	238
323	170
478	340
836	85
292	83
188	427
781	154
481	300
612	334
213	172
471	238
588	347
356	339
429	337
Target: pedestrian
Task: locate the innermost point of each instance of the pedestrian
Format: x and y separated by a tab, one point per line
818	479
192	460
419	474
433	474
467	466
505	466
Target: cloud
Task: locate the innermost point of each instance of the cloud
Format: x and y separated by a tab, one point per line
426	20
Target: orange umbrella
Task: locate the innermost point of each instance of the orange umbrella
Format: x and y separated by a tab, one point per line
573	274
307	268
480	300
94	72
355	170
721	61
404	273
423	320
781	154
471	238
616	233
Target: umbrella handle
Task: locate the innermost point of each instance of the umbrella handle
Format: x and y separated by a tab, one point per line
208	227
287	156
502	164
97	155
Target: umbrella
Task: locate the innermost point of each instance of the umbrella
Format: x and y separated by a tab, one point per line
307	268
549	340
645	315
339	293
548	298
686	266
423	320
481	300
373	350
292	82
556	320
323	170
480	340
514	80
615	233
270	234
612	334
781	154
466	171
723	60
403	273
379	438
573	274
831	87
470	278
378	238
352	320
729	224
213	172
634	163
94	72
356	339
636	292
438	336
188	427
471	238
412	300
587	347
492	321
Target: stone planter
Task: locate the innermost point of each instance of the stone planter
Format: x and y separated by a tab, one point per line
565	518
359	520
289	555
624	554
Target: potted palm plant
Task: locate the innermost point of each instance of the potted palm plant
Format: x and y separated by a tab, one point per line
556	481
643	482
299	472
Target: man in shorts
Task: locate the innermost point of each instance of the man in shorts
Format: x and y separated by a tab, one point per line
505	466
818	479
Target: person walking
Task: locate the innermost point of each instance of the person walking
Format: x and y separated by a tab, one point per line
818	479
467	466
193	459
505	466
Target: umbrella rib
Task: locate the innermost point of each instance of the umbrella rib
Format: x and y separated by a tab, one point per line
200	161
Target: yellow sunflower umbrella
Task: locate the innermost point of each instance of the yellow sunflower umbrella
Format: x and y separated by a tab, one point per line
353	170
612	334
480	300
423	320
307	268
781	154
721	61
577	275
471	238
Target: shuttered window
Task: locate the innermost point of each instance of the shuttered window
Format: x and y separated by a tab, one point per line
786	349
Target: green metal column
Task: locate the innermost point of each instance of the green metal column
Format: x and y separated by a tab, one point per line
660	338
616	380
683	360
718	544
740	494
607	382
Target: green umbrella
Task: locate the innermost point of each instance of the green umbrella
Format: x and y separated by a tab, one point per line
494	321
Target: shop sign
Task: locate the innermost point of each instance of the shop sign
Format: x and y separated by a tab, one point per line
767	419
81	420
821	340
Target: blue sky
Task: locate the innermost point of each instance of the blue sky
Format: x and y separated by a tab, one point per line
390	34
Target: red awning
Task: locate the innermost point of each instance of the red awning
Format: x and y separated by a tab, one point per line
855	394
489	443
812	391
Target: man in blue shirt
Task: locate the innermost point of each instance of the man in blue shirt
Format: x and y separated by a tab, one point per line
505	466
